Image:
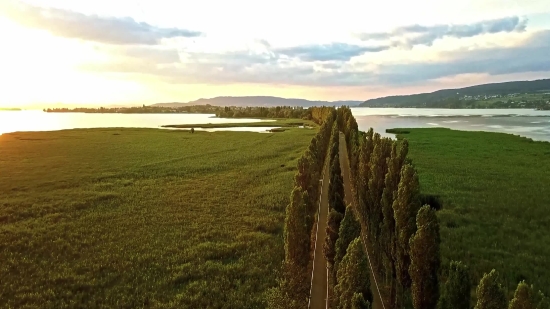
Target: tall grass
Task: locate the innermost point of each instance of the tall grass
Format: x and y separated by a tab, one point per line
132	218
495	194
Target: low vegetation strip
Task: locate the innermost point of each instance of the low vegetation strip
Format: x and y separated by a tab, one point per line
495	194
132	218
286	123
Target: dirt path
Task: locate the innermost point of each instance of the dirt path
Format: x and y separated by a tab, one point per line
318	295
344	164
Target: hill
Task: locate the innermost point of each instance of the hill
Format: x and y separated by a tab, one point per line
468	97
264	101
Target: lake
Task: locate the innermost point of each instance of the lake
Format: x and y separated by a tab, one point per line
40	121
524	122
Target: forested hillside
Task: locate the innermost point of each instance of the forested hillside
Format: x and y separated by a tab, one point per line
509	94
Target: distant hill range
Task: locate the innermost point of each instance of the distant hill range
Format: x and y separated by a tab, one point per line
440	98
259	101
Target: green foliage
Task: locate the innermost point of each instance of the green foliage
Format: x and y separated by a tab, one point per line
294	285
424	252
131	218
386	191
275	299
489	292
296	231
350	229
361	177
262	112
524	297
455	293
405	208
336	187
544	302
359	302
375	187
492	186
320	114
389	194
454	98
333	226
353	276
202	109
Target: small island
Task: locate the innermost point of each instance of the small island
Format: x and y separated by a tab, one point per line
9	109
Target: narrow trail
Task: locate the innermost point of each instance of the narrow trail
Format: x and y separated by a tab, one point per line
318	294
344	165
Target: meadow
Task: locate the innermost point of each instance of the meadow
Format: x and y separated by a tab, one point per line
143	218
495	194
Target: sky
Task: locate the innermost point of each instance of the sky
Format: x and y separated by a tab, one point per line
130	52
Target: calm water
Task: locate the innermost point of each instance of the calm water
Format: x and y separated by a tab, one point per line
41	121
524	122
529	123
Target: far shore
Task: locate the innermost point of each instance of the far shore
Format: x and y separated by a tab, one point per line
285	123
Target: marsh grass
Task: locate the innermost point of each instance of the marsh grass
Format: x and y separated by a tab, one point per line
278	122
132	218
495	195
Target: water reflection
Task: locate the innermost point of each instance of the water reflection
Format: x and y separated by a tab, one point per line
519	125
41	121
524	122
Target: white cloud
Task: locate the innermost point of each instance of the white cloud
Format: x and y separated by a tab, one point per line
69	24
309	44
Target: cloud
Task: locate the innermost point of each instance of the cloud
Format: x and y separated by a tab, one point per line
531	56
140	53
269	67
425	35
328	52
110	30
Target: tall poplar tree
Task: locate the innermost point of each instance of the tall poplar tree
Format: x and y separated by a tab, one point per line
524	297
405	208
489	292
336	186
359	302
349	230
333	227
455	292
425	259
353	276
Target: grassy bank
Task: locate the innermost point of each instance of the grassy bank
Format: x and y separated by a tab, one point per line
285	123
495	190
132	218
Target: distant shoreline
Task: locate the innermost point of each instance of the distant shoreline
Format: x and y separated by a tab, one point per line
168	111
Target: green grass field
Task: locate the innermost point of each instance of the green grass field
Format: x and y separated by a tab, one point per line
495	190
132	218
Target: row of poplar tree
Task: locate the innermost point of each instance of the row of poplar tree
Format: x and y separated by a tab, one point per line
404	235
343	249
294	282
